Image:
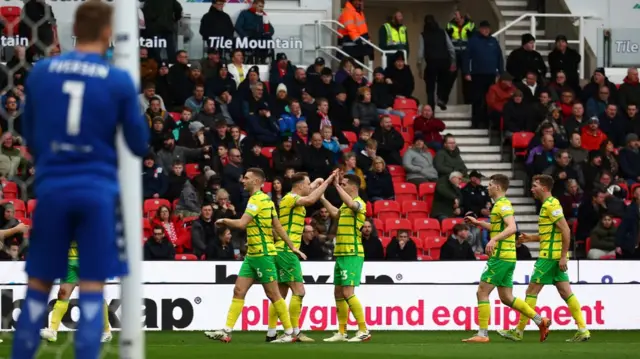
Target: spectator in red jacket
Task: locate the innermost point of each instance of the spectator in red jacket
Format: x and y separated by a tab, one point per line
430	128
567	100
171	226
592	137
498	95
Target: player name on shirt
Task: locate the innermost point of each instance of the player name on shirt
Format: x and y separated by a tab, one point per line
79	67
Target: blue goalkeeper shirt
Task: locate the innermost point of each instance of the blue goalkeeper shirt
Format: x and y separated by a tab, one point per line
74	105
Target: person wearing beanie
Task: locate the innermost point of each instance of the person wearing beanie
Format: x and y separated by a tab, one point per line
154	179
281	71
591	135
418	162
437	56
381	94
280	100
326	87
598	80
482	62
565	59
400	78
526	59
211	64
629	159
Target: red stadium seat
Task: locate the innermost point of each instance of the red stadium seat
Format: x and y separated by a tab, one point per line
18	205
268	152
426	227
393	225
405	191
385	241
407	122
266	187
415	210
616	221
404	149
151	206
520	143
482	257
352	137
408	138
9	190
405	104
432	246
369	213
31	206
448	223
425	192
419	245
186	257
397	172
191	169
386	210
24	220
608	257
587	245
633	189
174	204
307	220
146	229
379	226
175	116
425	258
396	121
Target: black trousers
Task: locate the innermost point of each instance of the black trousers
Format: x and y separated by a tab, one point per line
466	85
437	79
629	254
479	86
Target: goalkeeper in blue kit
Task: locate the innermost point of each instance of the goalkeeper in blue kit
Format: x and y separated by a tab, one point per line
74	105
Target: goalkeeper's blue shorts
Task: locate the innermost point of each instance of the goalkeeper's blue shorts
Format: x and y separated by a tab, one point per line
90	218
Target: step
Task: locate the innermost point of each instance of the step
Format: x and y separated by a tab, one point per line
479	149
481	166
530	218
527	227
514	192
524	208
511	3
544	53
467	132
521	200
512	183
457	124
520	24
513	13
519	32
473	140
481	157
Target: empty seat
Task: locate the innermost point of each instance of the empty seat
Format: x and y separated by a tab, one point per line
392	226
396	172
379	225
352	137
432	246
369	210
415	210
386	210
31	206
426	227
191	169
405	104
268	152
385	241
405	191
266	187
175	115
9	190
186	257
10	19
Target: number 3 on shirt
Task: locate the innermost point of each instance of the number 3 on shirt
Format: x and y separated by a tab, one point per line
75	90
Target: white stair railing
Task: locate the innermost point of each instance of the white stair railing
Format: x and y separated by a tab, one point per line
533	16
330	49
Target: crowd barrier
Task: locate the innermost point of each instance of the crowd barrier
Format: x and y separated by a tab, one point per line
396	296
205	272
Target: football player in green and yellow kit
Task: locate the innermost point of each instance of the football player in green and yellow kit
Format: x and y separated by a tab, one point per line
499	269
554	236
67	286
349	255
260	221
292	215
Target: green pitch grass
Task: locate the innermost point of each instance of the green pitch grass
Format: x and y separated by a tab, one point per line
384	345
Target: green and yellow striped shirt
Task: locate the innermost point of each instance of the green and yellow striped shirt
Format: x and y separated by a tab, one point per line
260	229
506	248
349	237
292	219
550	237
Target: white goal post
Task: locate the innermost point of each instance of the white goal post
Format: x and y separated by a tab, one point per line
126	56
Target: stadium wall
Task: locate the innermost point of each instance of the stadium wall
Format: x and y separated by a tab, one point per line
397	296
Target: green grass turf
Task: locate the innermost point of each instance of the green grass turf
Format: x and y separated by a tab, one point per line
384	345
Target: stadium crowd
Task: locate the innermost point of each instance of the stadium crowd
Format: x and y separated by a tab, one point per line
211	119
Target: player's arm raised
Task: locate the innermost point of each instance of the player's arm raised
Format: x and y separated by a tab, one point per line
277	227
135	129
563	226
315	195
333	211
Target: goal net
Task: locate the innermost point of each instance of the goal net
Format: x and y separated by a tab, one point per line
29	34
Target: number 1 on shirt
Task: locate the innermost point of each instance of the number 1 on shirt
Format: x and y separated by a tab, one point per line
75	90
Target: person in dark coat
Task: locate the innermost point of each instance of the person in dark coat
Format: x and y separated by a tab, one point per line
438	55
629	159
176	180
629	91
158	247
381	94
561	172
628	234
353	84
325	88
390	142
311	245
281	71
255	159
38	16
216	25
339	113
161	17
633	119
313	73
253	23
447	199
526	59
181	87
373	249
598	80
590	211
613	125
286	156
475	196
402	248
457	246
482	63
379	182
565	59
577	121
517	115
318	161
154	180
402	82
262	126
222	82
221	249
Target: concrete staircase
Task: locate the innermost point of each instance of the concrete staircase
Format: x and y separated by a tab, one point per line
511	10
479	155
